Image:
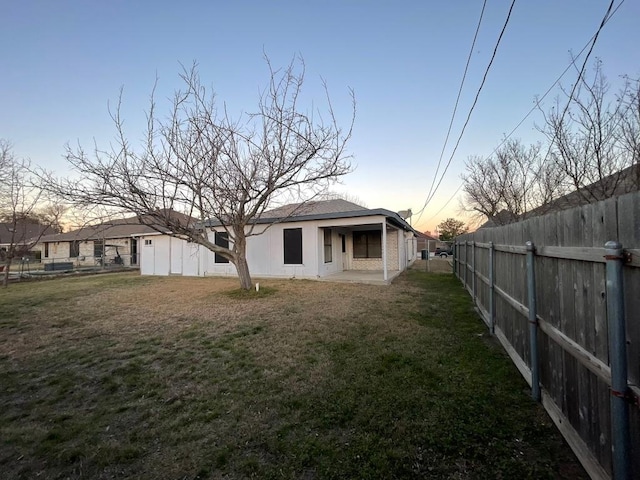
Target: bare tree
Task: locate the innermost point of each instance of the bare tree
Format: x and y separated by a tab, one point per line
629	130
593	138
510	184
208	166
24	215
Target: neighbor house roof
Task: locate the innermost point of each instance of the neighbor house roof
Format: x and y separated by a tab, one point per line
124	227
119	228
426	236
323	210
25	231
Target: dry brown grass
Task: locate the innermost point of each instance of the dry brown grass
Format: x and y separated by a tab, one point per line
117	376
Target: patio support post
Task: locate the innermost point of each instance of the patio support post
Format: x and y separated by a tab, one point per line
620	437
385	274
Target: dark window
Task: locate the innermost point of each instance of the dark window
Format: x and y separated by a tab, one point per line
328	248
46	249
134	251
74	248
98	248
147	242
344	243
367	244
292	246
221	240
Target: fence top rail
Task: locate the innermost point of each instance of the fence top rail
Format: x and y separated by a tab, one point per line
511	249
634	254
586	254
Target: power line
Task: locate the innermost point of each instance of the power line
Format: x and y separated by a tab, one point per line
604	21
555	83
584	64
455	107
591	43
475	101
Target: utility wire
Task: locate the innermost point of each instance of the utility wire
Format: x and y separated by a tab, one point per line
455	108
604	21
591	43
475	101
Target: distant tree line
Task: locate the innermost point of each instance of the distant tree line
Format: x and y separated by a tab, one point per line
591	152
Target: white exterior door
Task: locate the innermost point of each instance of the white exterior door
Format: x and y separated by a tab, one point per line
176	256
148	260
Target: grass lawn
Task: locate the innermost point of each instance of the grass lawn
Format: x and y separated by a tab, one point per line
122	376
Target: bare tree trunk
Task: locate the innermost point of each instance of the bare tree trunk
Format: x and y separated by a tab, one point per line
5	276
243	272
240	257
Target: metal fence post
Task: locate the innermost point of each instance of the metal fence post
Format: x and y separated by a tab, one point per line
455	254
455	259
533	322
473	268
466	263
492	291
620	438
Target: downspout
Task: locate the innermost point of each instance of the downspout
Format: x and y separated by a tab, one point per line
385	275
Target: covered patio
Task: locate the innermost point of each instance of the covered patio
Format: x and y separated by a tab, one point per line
371	277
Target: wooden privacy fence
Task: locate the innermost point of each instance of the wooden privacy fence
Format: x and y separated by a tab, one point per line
566	309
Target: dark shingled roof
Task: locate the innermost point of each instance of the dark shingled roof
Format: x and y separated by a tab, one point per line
323	210
120	228
25	231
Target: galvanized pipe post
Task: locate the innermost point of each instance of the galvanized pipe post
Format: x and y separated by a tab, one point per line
473	273
492	291
455	258
533	322
620	438
466	263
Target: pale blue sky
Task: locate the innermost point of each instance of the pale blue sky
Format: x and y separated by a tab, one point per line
62	61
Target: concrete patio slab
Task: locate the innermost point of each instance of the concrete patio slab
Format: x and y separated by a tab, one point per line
372	277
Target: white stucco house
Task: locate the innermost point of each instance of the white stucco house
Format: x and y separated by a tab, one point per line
317	240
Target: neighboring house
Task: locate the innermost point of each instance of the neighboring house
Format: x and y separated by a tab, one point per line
112	242
22	235
427	242
311	241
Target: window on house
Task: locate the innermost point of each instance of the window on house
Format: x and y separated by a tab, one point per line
46	249
147	242
328	248
292	246
98	248
222	240
367	244
344	243
74	248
